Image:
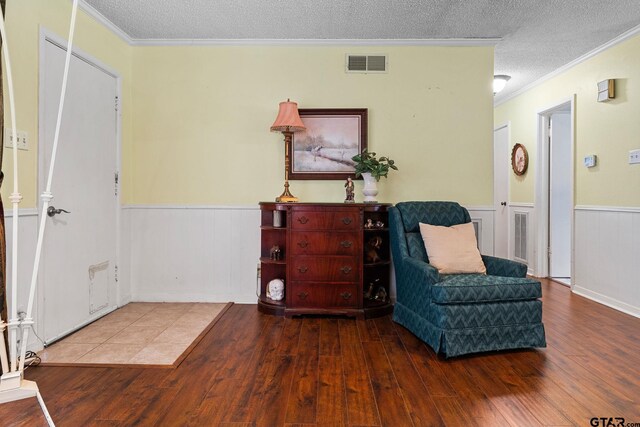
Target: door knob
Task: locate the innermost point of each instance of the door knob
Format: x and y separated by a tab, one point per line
52	211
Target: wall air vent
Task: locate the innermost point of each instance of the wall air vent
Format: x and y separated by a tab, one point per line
520	222
367	63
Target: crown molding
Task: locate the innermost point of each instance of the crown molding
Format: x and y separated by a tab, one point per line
89	10
608	45
317	42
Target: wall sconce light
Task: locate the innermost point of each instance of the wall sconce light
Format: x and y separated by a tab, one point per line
499	82
606	90
287	122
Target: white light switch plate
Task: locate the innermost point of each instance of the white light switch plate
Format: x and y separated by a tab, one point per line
634	157
590	161
23	139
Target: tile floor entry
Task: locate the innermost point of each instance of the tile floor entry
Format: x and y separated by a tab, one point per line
140	334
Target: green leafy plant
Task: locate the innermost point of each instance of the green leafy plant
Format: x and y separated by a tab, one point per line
377	167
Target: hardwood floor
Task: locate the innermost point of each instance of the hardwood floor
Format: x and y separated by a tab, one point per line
253	369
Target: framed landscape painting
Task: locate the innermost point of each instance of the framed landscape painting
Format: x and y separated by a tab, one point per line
324	150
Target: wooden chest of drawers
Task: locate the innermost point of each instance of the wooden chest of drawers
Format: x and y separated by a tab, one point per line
324	262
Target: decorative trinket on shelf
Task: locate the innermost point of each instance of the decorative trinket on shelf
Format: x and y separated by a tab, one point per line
275	290
368	224
369	294
277	218
379	224
275	253
381	295
373	246
349	187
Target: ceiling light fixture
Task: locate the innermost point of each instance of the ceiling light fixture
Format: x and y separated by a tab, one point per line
499	82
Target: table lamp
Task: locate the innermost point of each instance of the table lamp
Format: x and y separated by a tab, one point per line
287	122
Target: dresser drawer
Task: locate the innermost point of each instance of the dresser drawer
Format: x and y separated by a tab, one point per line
324	243
325	220
324	268
323	295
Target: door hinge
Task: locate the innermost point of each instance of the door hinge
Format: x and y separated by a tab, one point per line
116	183
116	273
117	103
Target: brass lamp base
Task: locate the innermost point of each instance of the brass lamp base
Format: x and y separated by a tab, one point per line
286	196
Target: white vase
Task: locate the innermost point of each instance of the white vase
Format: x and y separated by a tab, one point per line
370	189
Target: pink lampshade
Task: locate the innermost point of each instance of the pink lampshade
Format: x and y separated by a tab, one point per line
288	119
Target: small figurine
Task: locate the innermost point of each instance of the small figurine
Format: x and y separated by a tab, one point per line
275	290
369	294
381	295
275	253
379	224
373	246
349	187
368	224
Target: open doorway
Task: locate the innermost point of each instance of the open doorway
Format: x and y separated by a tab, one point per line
555	199
560	196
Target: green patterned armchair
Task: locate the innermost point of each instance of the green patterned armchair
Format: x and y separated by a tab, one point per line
460	313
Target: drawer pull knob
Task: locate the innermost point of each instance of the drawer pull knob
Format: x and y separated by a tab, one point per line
303	244
303	295
303	220
346	220
346	244
346	295
346	269
303	269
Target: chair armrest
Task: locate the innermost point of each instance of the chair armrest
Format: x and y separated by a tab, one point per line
413	284
504	267
421	272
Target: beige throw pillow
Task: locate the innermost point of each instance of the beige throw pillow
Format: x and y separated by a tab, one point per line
453	249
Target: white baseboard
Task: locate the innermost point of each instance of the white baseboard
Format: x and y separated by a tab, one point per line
608	301
193	297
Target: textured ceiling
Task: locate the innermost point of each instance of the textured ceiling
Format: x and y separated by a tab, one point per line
538	36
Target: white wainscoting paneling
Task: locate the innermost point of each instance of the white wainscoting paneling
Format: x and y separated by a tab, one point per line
483	215
28	238
205	253
607	255
194	253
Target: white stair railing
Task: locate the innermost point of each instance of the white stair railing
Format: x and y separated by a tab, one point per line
13	386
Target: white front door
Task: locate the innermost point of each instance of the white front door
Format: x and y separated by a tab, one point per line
79	249
501	191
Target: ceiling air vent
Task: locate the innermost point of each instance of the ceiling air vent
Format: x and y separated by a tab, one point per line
366	63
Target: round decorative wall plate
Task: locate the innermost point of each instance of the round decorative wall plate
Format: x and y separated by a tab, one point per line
519	159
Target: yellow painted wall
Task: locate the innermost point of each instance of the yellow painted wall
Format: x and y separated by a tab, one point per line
23	21
196	119
607	129
202	116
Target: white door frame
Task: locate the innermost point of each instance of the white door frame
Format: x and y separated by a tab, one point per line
541	234
500	126
47	36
